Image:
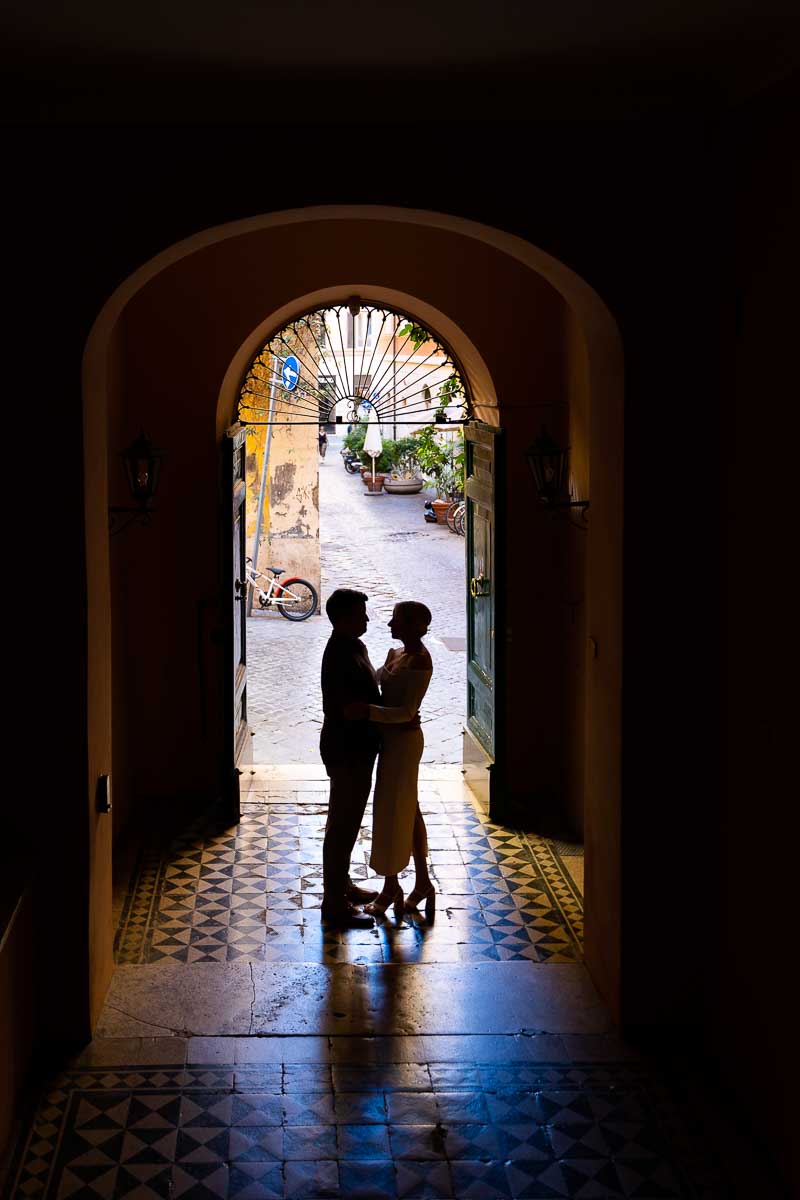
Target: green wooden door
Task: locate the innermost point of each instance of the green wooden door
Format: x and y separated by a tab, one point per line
484	648
237	749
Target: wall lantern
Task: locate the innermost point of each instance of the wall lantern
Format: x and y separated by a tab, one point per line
549	464
142	462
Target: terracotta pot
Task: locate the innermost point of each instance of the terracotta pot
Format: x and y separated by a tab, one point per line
379	481
440	507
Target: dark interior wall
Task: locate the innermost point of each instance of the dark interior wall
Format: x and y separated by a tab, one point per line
45	786
638	210
17	1026
123	803
760	767
573	596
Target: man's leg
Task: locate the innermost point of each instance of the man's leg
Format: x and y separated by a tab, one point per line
350	787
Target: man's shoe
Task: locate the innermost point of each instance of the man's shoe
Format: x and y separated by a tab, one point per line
345	916
359	895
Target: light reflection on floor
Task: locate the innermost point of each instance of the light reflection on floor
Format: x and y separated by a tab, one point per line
245	1051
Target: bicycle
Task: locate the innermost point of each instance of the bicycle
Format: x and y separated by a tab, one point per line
294	599
455	517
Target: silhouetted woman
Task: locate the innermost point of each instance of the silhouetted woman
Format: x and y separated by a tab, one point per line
398	829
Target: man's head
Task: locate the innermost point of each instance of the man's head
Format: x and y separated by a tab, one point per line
347	612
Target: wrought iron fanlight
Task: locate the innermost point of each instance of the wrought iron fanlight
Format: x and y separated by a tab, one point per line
348	358
549	464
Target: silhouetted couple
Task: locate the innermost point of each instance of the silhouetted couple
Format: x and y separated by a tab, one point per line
369	714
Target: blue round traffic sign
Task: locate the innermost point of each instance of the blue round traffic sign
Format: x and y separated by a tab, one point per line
290	373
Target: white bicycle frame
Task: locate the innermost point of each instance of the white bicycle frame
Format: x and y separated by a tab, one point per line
267	598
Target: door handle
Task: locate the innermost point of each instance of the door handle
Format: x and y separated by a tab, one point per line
479	586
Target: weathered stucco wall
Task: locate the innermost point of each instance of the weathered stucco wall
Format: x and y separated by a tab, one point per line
290	522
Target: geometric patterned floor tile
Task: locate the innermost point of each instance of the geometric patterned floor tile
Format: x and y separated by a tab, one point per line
422	1179
256	1181
483	1180
584	1130
216	894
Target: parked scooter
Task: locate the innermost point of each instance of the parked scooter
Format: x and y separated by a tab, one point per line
352	463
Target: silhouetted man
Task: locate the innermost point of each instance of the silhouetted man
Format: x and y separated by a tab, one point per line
348	750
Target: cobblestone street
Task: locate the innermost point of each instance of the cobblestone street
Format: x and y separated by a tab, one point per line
382	546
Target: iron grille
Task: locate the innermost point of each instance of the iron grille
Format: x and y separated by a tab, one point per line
332	365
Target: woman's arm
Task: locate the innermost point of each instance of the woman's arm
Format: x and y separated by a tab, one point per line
389	657
416	680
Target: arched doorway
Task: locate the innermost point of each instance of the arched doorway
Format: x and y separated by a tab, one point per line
350	368
162	355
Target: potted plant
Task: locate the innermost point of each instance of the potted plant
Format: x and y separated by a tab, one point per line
404	478
440	465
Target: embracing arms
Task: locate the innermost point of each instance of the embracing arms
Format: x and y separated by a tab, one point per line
408	689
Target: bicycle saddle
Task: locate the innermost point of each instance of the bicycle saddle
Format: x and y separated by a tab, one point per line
277	570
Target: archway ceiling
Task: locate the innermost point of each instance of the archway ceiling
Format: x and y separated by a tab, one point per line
735	46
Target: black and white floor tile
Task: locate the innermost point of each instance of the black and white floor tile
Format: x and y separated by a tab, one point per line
252	892
289	1131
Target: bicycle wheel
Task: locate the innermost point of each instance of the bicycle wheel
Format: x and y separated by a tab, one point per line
450	516
459	520
297	600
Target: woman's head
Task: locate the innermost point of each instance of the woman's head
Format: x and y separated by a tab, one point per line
410	619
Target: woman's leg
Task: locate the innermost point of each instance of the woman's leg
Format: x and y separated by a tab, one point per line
419	849
386	898
389	887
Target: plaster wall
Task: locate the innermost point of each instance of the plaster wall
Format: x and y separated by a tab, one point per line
88	901
576	648
290	522
254	458
124	810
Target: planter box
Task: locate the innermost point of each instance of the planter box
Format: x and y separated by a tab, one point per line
403	487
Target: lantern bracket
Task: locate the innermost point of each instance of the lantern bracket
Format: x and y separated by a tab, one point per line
549	465
142	462
116	523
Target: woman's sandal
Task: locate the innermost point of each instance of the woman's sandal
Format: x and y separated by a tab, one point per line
378	907
428	895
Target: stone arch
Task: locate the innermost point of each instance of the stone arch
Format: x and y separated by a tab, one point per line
171	344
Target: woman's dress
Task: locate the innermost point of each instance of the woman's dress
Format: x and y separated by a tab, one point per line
395	800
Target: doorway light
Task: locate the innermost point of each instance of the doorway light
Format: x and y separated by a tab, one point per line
549	465
142	463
